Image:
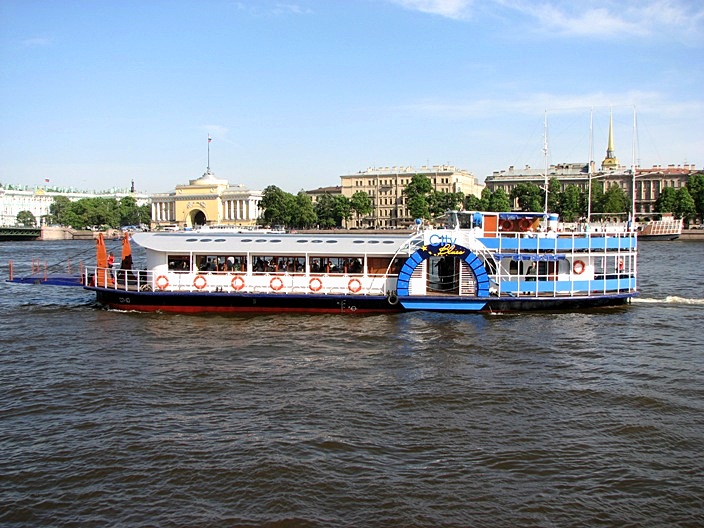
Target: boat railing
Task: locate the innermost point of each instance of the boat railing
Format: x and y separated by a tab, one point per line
237	282
612	258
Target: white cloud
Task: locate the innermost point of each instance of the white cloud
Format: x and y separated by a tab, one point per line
610	19
276	10
577	18
457	9
650	102
35	42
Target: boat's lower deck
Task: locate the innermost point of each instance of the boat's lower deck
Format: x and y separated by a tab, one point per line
224	302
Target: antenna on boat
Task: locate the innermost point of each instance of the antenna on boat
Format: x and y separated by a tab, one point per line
545	152
633	173
589	164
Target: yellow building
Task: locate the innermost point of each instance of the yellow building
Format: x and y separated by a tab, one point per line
385	187
206	201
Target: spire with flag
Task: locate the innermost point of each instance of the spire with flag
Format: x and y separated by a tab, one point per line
209	140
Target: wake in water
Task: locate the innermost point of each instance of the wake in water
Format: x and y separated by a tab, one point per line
670	299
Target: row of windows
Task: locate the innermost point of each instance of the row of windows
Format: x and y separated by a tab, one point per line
273	264
401	183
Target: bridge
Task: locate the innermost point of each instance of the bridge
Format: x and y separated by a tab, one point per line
20	233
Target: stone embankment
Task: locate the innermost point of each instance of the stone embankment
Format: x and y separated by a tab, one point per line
68	233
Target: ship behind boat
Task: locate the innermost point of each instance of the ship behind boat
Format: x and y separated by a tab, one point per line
667	228
476	261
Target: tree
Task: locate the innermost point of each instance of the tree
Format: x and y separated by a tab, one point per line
529	196
26	219
684	206
58	209
417	192
695	186
615	200
667	201
145	214
597	197
278	206
361	204
498	201
303	216
440	202
332	210
472	203
554	195
570	203
129	212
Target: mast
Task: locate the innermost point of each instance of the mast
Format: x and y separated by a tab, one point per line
545	153
633	174
589	165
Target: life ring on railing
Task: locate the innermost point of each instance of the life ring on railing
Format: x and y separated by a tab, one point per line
507	225
315	284
276	284
578	267
200	282
162	282
237	283
524	224
354	285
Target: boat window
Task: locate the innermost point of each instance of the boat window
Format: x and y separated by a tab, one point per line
379	265
227	263
336	265
179	263
274	264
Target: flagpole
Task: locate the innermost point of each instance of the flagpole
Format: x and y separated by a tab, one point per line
209	140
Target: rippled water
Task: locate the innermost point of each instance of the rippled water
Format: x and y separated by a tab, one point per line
579	419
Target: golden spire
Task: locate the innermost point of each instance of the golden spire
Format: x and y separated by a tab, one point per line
611	161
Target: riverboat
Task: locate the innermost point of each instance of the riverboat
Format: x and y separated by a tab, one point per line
667	228
474	262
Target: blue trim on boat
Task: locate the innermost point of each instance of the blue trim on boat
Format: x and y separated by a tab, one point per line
439	250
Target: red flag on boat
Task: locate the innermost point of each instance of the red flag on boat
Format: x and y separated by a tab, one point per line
102	275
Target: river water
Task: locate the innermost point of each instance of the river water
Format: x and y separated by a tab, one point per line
422	419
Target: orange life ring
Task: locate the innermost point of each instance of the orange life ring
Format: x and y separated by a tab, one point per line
524	224
507	225
200	282
276	284
315	284
162	282
237	283
578	267
354	285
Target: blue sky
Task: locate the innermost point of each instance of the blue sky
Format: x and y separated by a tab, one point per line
96	93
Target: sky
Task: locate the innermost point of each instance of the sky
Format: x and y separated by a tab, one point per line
295	93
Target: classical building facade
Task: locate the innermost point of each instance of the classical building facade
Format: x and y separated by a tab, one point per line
38	200
385	186
648	182
206	201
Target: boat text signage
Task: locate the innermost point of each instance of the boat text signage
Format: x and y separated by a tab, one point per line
548	257
436	239
446	250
